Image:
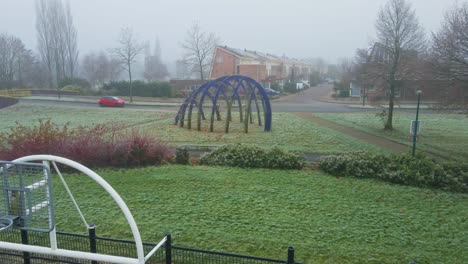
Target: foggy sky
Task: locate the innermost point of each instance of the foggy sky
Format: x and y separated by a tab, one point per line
330	29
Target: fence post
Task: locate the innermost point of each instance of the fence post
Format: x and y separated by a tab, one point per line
168	247
291	255
92	240
25	241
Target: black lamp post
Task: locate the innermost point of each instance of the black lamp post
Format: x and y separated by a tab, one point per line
416	125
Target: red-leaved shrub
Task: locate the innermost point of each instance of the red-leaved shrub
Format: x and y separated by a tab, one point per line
99	146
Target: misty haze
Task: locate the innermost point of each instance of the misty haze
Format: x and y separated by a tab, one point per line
248	131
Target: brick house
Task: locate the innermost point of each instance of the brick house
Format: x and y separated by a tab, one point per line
262	67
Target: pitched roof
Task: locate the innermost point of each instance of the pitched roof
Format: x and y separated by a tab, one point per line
260	56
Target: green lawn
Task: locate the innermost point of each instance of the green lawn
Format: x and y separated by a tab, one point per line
261	212
445	135
289	131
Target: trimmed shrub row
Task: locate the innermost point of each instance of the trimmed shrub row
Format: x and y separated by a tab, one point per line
99	146
151	89
417	171
245	156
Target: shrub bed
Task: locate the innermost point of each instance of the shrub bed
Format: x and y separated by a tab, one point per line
417	171
99	146
246	156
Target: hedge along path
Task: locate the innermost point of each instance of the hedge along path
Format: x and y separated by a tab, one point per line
392	146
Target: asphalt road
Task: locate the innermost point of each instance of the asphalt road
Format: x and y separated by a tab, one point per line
307	101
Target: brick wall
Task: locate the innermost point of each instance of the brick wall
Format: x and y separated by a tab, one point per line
224	63
256	72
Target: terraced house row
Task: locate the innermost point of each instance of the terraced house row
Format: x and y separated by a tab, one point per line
263	67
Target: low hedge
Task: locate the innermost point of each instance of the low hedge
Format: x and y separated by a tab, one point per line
143	89
246	156
417	171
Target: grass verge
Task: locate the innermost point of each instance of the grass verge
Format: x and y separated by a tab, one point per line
442	134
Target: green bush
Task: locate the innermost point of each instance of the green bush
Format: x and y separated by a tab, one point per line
246	156
151	89
275	86
343	93
72	88
182	156
290	87
417	171
82	83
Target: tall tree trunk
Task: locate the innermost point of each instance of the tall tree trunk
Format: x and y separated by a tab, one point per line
389	123
201	71
391	100
130	78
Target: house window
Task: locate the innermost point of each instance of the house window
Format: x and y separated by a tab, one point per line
219	59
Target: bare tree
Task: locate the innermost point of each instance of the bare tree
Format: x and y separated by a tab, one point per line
12	51
394	58
19	67
155	69
98	68
199	47
450	45
127	52
44	38
57	39
91	69
71	45
345	69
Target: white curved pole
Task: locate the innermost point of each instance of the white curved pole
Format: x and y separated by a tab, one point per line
106	186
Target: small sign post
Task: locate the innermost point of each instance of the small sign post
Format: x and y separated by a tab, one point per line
415	127
415	124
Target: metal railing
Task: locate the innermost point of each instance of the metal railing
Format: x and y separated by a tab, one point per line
168	254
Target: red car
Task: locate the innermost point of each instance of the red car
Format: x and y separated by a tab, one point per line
111	101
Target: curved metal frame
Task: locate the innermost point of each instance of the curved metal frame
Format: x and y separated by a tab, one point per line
6	222
248	85
115	196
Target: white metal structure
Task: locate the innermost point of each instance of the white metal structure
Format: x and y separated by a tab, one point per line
54	251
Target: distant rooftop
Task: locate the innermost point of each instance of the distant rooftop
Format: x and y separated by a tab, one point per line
256	55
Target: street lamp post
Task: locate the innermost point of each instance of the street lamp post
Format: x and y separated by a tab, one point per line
416	125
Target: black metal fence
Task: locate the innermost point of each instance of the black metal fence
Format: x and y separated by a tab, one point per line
167	254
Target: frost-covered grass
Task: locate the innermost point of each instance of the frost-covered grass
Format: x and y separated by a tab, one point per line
442	134
289	132
261	212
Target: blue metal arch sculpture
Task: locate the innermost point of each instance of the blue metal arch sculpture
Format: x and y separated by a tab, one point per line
215	88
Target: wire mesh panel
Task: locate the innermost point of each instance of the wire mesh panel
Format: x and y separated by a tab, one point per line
26	195
119	247
183	255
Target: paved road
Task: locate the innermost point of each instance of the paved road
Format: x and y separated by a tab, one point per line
92	104
307	101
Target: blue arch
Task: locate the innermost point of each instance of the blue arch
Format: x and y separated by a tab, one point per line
247	85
